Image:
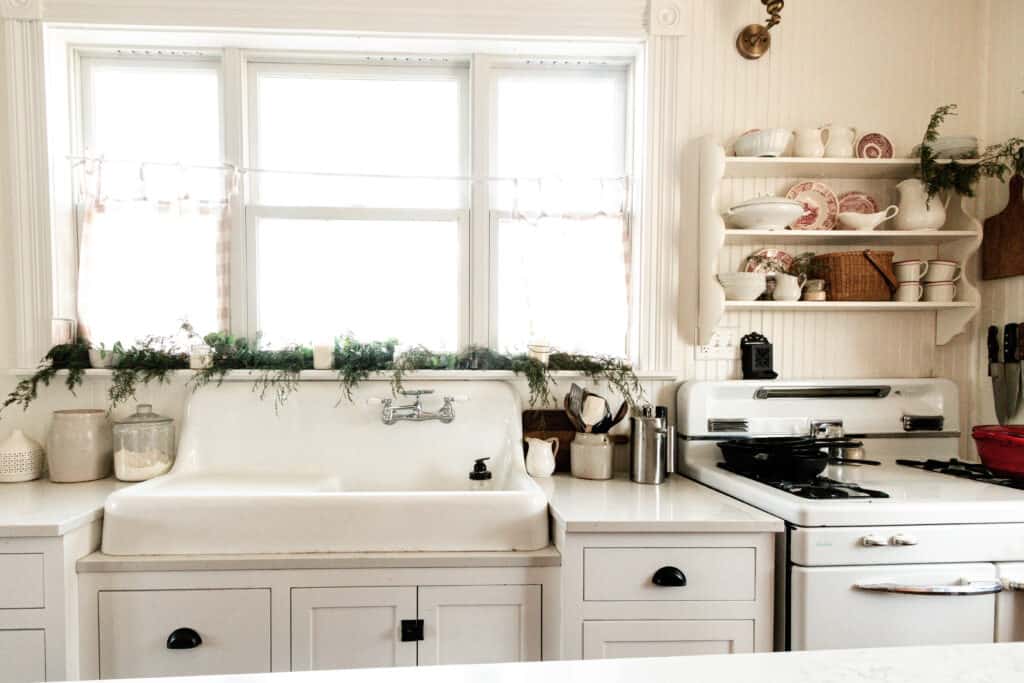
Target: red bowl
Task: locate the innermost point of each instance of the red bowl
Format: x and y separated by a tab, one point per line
1001	449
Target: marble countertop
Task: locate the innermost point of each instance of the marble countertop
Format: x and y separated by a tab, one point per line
678	505
989	663
43	508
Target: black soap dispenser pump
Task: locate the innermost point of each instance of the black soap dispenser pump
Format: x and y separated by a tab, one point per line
480	477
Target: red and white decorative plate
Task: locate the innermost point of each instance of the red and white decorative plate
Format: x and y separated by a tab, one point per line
768	261
857	202
821	206
874	146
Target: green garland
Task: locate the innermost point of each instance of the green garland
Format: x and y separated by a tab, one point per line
153	359
996	161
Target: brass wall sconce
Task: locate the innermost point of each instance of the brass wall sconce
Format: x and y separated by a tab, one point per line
754	40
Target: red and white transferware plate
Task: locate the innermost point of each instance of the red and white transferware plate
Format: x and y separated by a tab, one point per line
768	261
857	202
874	146
821	206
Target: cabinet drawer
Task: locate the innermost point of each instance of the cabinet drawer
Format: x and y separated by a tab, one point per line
233	624
627	574
624	639
21	581
22	656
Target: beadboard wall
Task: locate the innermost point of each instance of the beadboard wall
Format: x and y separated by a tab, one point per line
1002	300
874	64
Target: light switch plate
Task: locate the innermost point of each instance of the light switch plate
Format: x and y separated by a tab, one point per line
723	345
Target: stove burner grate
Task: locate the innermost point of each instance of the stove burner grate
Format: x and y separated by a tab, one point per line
963	470
820	488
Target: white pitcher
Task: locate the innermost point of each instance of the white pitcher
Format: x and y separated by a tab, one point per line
540	456
917	212
808	142
839	141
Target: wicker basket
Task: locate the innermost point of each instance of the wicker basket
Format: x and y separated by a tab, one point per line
856	275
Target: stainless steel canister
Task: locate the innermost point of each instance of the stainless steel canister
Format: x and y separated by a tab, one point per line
650	448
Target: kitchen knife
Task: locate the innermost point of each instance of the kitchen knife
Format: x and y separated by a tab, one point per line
995	372
1011	368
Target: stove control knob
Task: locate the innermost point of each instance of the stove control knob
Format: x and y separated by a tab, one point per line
903	539
873	540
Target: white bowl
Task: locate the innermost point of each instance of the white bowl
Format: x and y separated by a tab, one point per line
743	286
743	293
770	142
742	278
765	213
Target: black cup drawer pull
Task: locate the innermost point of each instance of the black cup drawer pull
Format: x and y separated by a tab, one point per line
670	577
183	639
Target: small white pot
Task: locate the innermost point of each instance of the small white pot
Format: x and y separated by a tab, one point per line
80	446
592	456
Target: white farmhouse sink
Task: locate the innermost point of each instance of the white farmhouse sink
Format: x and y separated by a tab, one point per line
324	478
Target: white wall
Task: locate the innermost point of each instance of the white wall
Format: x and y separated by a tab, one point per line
1002	300
873	64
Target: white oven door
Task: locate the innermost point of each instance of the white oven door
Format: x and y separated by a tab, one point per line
1010	603
886	605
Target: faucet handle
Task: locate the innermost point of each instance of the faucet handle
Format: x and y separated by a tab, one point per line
456	398
416	392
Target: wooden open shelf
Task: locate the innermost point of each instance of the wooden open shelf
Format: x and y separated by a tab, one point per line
845	306
801	167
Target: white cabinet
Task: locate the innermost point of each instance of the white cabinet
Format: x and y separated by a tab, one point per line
351	628
480	624
619	639
665	594
22	656
21	581
214	632
361	627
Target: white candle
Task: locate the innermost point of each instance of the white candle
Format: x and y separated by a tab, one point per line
323	356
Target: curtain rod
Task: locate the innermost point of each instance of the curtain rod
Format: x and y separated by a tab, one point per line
79	160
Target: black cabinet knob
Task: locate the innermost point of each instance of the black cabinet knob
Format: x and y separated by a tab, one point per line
670	577
183	639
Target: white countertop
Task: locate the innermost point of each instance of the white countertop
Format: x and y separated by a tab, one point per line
677	505
43	508
944	664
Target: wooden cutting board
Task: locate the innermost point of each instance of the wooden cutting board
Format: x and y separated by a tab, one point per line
1002	250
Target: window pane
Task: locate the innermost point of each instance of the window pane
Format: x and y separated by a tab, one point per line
149	111
361	120
374	279
563	281
569	123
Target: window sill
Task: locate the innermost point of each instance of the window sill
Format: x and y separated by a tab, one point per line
332	375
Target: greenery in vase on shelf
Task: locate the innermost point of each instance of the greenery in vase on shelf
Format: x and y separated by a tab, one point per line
153	359
996	161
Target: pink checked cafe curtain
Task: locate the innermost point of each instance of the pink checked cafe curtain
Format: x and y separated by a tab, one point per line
154	251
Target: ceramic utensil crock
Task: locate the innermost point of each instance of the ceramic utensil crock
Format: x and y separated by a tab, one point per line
591	456
80	446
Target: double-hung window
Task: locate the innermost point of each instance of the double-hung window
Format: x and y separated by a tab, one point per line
442	201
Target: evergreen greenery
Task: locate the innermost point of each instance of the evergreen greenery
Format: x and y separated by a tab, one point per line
153	359
996	161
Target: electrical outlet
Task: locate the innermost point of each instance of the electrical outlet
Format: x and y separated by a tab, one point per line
723	345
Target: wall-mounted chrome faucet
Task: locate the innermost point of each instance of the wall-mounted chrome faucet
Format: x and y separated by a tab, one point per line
413	412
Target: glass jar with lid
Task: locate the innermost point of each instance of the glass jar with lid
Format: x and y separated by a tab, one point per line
143	445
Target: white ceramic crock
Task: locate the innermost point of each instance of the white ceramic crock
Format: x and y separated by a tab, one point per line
592	456
80	446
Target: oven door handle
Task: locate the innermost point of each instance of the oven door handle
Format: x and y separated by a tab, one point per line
962	588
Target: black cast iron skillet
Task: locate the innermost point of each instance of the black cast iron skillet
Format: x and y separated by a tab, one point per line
795	459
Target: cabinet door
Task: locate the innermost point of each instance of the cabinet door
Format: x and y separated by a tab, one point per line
1010	604
22	656
480	624
621	639
351	628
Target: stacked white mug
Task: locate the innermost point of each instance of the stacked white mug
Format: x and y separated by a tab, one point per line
940	280
908	279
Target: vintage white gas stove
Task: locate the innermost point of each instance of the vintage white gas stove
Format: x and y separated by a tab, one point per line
914	549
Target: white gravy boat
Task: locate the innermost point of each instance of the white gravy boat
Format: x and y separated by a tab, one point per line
866	221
